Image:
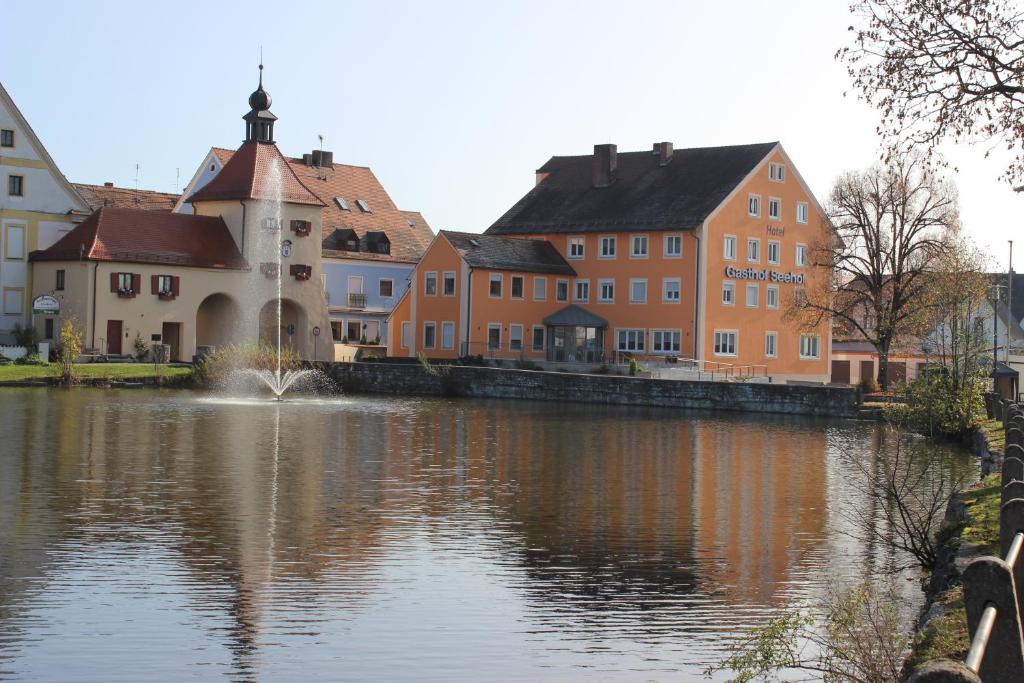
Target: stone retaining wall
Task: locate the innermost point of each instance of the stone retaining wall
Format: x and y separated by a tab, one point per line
478	382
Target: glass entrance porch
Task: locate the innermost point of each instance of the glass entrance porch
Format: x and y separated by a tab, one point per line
575	344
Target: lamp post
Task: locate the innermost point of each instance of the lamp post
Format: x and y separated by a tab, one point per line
993	292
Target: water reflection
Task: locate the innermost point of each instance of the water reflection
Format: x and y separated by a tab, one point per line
156	536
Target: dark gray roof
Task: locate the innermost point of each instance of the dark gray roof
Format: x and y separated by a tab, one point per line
644	195
574	316
1018	300
508	253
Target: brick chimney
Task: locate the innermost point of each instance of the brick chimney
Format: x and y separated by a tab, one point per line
108	184
663	150
603	168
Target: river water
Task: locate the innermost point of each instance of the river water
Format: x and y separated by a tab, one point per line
164	535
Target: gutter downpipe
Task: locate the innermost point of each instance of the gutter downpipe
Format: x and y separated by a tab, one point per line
95	270
469	309
696	299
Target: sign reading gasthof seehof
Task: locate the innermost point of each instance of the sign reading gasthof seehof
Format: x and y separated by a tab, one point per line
765	275
46	305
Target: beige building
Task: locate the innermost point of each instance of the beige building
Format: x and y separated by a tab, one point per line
202	279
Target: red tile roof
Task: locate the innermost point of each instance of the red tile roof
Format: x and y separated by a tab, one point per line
98	196
246	176
141	236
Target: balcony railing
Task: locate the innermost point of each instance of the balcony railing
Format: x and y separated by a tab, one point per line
356	300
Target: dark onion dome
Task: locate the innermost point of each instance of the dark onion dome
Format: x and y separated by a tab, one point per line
260	99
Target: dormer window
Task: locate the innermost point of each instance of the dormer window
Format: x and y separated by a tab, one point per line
352	245
342	204
363	206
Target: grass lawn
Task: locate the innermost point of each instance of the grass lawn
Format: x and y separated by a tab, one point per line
115	371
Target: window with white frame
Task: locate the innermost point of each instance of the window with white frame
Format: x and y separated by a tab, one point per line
14	247
518	286
562	290
665	341
810	346
728	293
774	208
540	289
429	335
638	246
671	288
538	337
582	291
515	338
771	344
725	342
607	247
430	284
753	250
638	291
776	173
448	283
773	252
606	291
406	334
801	255
494	336
801	212
754	205
729	248
630	340
447	335
673	246
752	294
771	296
576	247
494	285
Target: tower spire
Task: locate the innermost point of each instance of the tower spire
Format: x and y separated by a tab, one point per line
259	122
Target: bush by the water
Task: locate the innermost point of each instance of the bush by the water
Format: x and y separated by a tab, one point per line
215	369
30	359
937	405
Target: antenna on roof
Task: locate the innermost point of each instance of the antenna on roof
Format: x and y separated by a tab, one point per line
136	176
320	136
177	179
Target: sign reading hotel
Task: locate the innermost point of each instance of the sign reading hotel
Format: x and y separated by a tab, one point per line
764	275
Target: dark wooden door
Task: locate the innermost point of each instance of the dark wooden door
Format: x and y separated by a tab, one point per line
897	373
171	335
840	372
114	332
867	370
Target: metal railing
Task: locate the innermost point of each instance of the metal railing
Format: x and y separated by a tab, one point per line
993	595
356	300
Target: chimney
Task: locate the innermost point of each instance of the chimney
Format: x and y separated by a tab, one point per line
663	150
321	157
603	165
307	159
108	184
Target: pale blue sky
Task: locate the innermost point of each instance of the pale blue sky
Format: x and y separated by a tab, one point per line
453	104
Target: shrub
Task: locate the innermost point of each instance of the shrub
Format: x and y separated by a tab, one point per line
376	340
870	385
634	367
523	364
344	340
25	336
70	350
216	368
30	359
602	370
140	347
936	405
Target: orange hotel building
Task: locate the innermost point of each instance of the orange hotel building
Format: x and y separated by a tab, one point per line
685	253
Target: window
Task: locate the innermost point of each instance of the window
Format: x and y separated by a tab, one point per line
494	289
515	338
801	255
771	344
753	250
771	297
270	223
665	341
607	247
562	290
494	336
773	252
801	212
386	288
810	346
517	286
630	340
363	206
754	205
538	337
164	286
60	280
638	291
13	301
429	335
124	282
638	246
606	291
728	293
776	173
6	138
448	283
729	248
576	245
540	289
48	329
430	284
406	335
583	291
14	248
342	204
16	185
673	246
448	335
774	208
752	295
725	343
670	290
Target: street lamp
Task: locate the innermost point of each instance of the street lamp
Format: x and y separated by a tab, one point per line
993	292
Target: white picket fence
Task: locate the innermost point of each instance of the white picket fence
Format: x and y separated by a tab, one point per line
13	352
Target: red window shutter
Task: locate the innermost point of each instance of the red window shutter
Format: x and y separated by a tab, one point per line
175	285
154	284
136	283
113	283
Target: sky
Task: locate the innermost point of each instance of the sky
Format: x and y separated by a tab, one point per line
454	105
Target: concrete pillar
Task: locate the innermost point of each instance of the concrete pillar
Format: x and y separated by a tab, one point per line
1013	468
988	580
944	671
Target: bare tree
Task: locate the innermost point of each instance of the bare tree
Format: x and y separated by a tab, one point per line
942	69
891	223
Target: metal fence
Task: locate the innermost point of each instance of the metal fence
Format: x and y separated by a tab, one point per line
992	585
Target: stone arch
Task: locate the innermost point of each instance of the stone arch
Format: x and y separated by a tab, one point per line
218	321
293	316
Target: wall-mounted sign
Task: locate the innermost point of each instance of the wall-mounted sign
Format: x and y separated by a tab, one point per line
46	305
290	329
765	275
775	231
286	248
